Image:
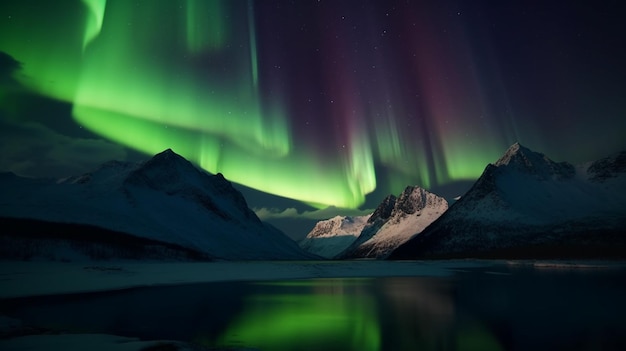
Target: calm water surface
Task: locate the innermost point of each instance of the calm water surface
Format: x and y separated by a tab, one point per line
501	307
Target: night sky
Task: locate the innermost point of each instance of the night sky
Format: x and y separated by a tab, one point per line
313	103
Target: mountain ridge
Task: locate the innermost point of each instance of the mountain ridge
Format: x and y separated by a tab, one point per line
393	222
526	205
165	198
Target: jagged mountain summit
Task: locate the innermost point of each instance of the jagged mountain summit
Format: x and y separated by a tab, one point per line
393	222
331	237
165	200
526	205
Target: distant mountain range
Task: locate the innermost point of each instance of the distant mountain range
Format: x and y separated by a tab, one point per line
528	206
164	207
394	221
523	206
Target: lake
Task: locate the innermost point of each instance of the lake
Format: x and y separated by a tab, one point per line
497	307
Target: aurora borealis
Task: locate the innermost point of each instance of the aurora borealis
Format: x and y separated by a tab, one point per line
324	102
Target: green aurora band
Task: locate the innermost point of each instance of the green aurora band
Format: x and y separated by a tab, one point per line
195	88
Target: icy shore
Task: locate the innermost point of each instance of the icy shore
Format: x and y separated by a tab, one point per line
22	279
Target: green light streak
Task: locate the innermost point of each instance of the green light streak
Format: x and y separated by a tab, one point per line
406	161
468	164
253	52
388	142
205	25
464	160
289	176
140	94
94	21
361	165
419	167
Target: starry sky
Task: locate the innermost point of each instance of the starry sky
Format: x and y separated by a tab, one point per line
312	107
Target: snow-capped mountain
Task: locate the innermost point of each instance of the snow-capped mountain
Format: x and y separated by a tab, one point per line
395	221
165	199
526	205
332	236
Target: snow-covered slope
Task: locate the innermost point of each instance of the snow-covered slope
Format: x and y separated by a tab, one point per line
526	205
332	236
165	199
395	221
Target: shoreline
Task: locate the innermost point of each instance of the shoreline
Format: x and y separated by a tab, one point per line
32	279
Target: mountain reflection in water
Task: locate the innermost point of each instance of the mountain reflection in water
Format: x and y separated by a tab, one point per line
502	307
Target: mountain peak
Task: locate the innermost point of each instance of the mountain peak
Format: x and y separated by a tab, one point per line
525	160
167	155
414	198
396	220
516	152
164	168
